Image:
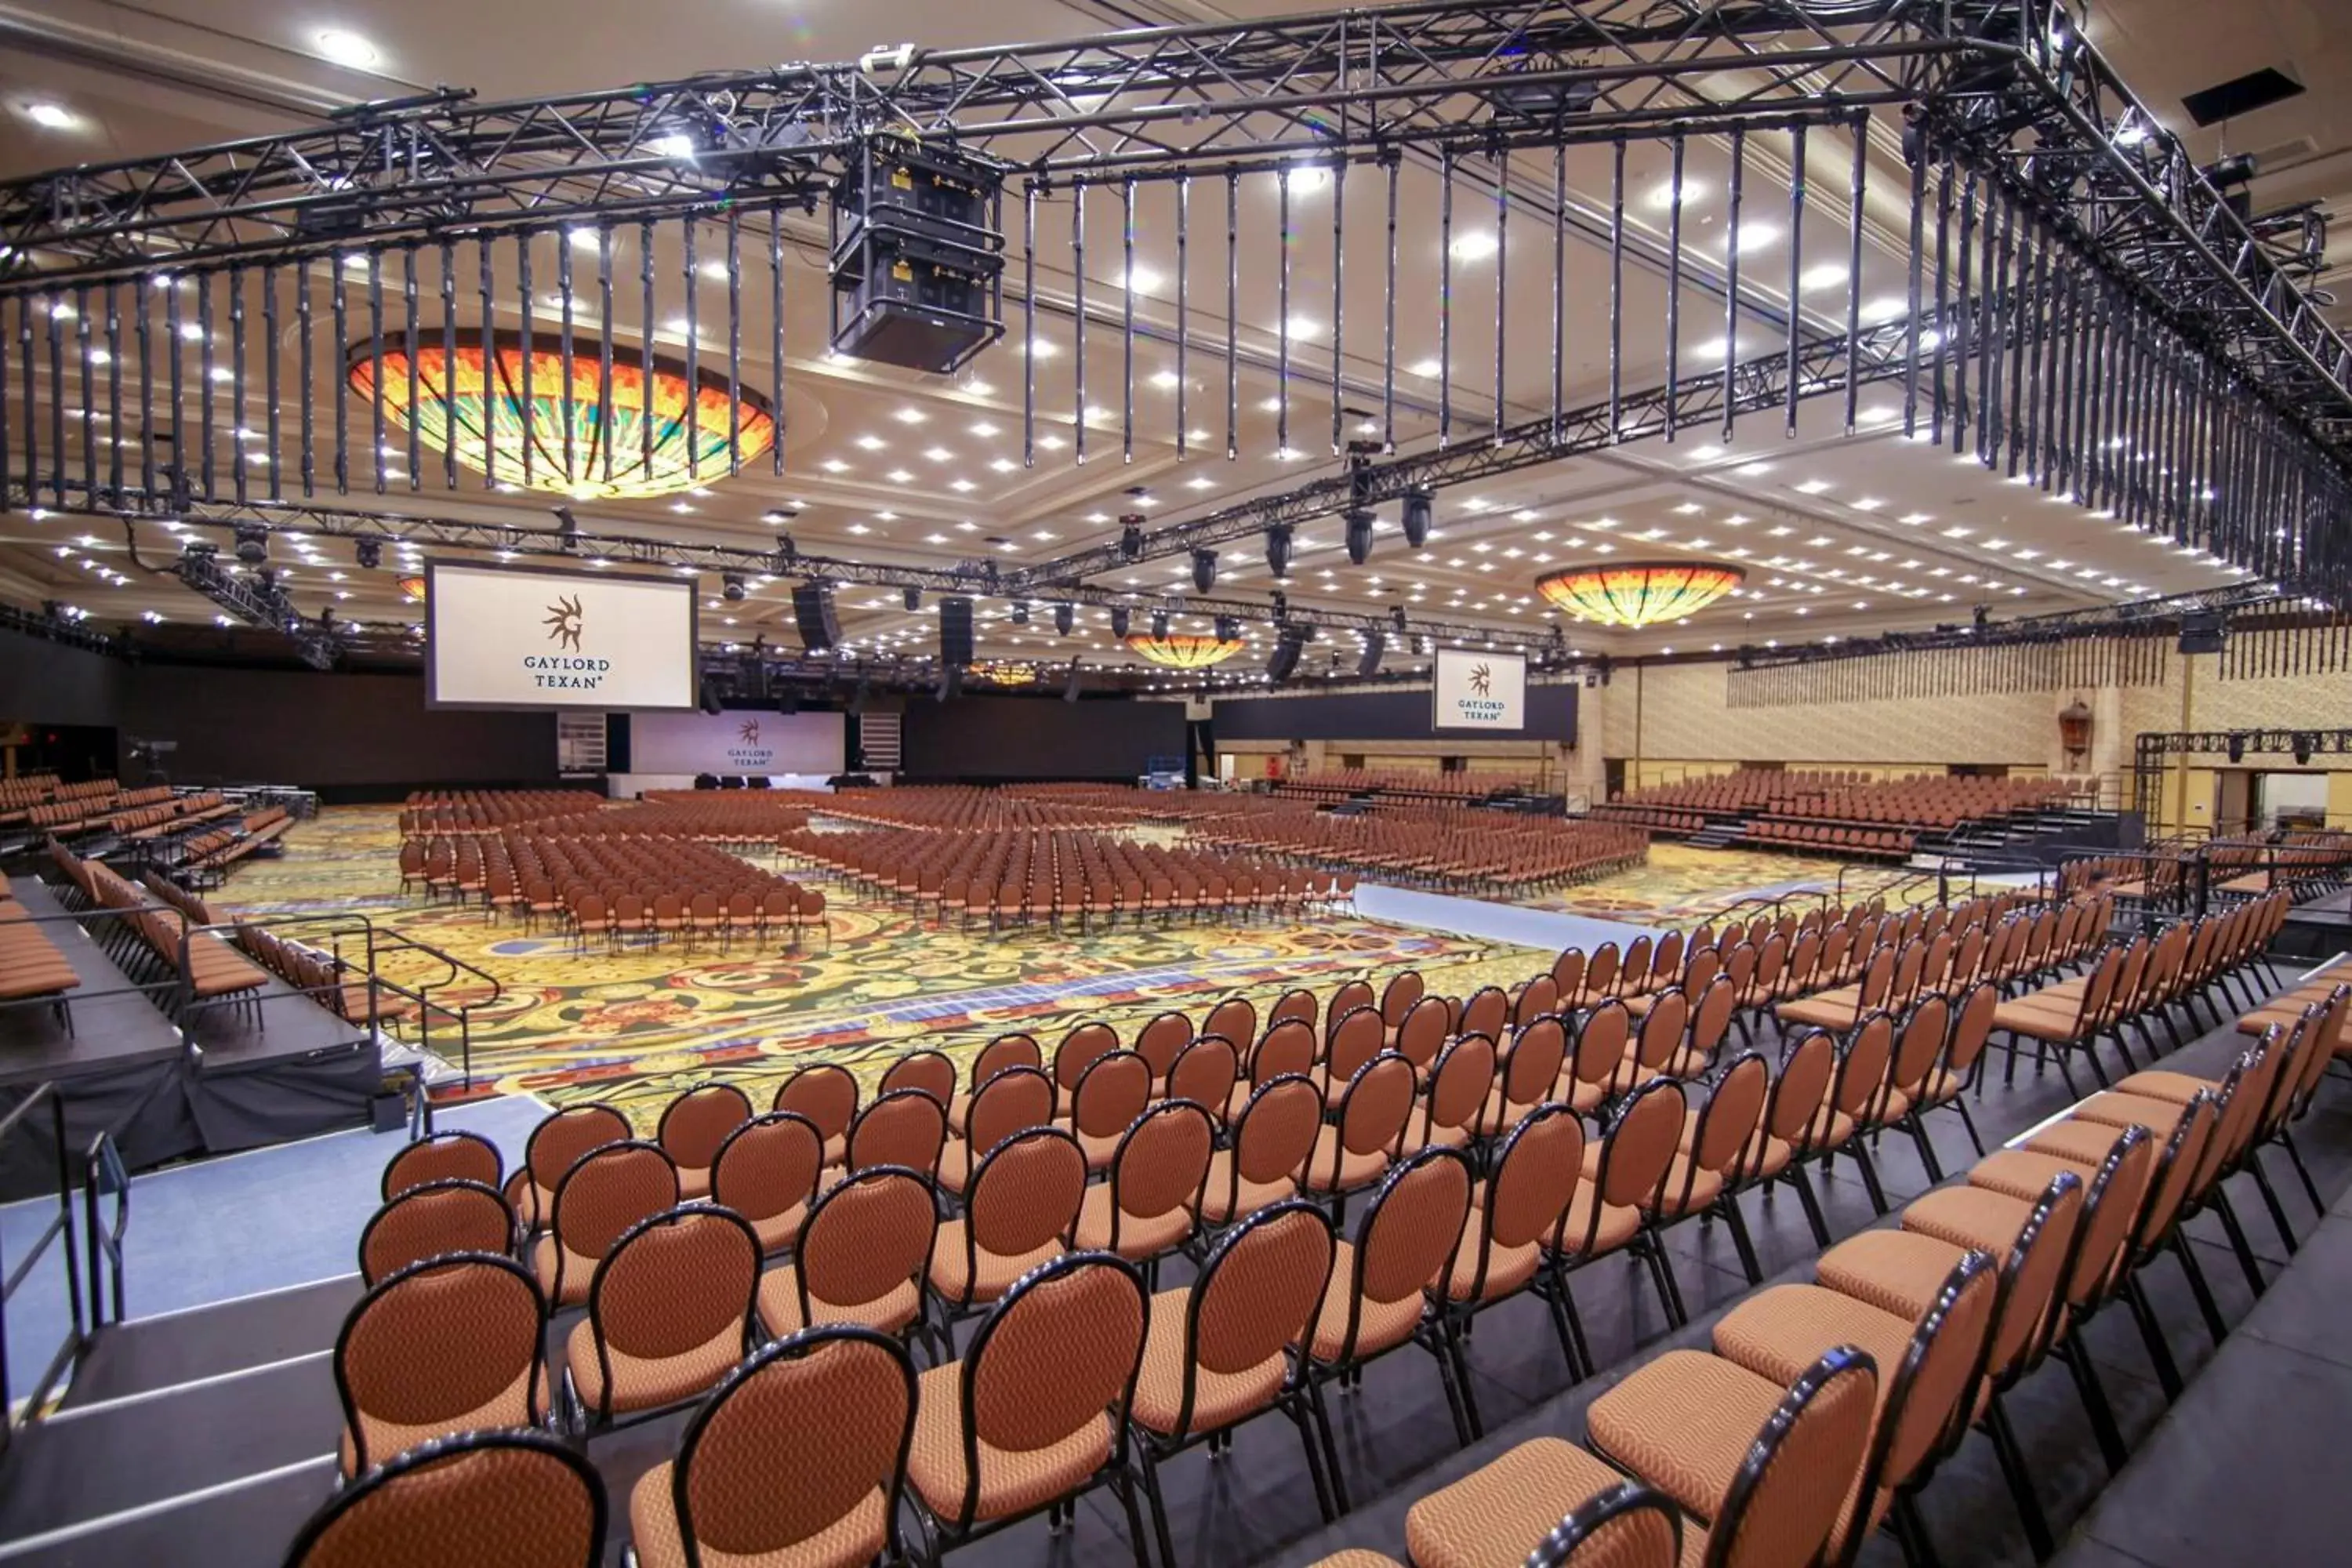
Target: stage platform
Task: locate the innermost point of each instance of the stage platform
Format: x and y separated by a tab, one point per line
236	1079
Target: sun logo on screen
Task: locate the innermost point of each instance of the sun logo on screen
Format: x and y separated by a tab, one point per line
563	622
750	730
1482	681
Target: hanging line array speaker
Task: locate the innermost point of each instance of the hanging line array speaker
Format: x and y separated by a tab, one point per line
813	611
955	632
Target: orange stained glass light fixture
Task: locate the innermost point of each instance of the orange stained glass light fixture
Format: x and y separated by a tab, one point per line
1004	674
1185	650
1640	593
659	428
413	589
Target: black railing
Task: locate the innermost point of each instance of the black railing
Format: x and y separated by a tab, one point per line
29	1406
104	1175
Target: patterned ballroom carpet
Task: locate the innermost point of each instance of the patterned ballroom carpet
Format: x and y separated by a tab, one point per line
1682	886
638	1026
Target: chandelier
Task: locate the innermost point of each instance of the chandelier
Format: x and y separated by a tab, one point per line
413	589
472	404
1185	650
1640	593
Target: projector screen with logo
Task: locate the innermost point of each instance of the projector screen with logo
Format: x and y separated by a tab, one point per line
514	636
1479	693
740	741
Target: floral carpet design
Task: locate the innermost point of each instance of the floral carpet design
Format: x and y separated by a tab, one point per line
1682	886
636	1026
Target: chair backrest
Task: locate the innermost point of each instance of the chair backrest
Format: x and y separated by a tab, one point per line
677	1281
1530	1065
432	1344
1236	1018
1786	1496
1939	1368
1639	1144
1535	1175
1919	1043
1666	959
1634	968
1015	1098
1205	1072
517	1498
1600	972
1661	1034
1802	1086
925	1072
1601	1044
450	1215
1289	1046
1464	1079
1355	1039
1059	1349
1255	1293
695	1125
1379	1099
1627	1525
1862	1073
1729	1119
1162	1161
1293	1003
609	1190
1538	997
1568	971
1080	1049
2031	1274
557	1144
1411	1230
1423	1032
1163	1038
768	1166
2111	1207
1015	1050
1486	1012
1400	995
1113	1093
825	1092
905	1127
1352	995
441	1157
1027	1192
796	1439
870	1235
1276	1130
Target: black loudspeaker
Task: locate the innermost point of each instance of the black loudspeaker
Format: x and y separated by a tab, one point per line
1369	665
955	633
1285	658
813	611
950	683
2203	631
1070	692
711	702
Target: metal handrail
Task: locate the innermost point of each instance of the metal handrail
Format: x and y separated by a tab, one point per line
31	1407
103	1174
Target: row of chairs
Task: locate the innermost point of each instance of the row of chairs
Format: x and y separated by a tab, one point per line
207	972
32	966
1886	843
1333	784
428	813
219	847
1440	846
172	815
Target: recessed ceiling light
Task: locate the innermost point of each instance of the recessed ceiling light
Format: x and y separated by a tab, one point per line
1303	329
1307	178
1915	518
52	116
1757	235
1163	378
1140	280
1828	275
347	48
937	454
909	414
1813	487
1753	470
1476	245
872	443
1662	195
1423	367
1885	307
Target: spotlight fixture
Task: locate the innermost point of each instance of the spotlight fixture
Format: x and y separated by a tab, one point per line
567	532
1417	502
1121	617
731	588
1359	535
1281	607
369	552
1369	665
1160	625
1229	628
1205	569
2237	746
1421	646
914	600
1277	549
1396	618
252	544
2305	743
1065	615
1019	612
1130	538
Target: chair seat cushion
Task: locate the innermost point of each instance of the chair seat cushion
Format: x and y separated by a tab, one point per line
1011	1481
1780	1332
856	1536
1352	1170
2114	1108
1379	1324
1897	1271
1582	1237
513	1407
2021	1174
780	1306
1138	1236
647	1383
1220	1202
1496	1515
1219	1399
983	1275
1508	1267
2080	1143
1684	1422
1969	1216
2179	1088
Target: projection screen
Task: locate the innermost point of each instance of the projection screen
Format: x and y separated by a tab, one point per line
533	636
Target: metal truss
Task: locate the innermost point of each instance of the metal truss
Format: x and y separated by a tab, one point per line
267	606
52	625
2134	616
257	601
2151	749
2011	85
1820	366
